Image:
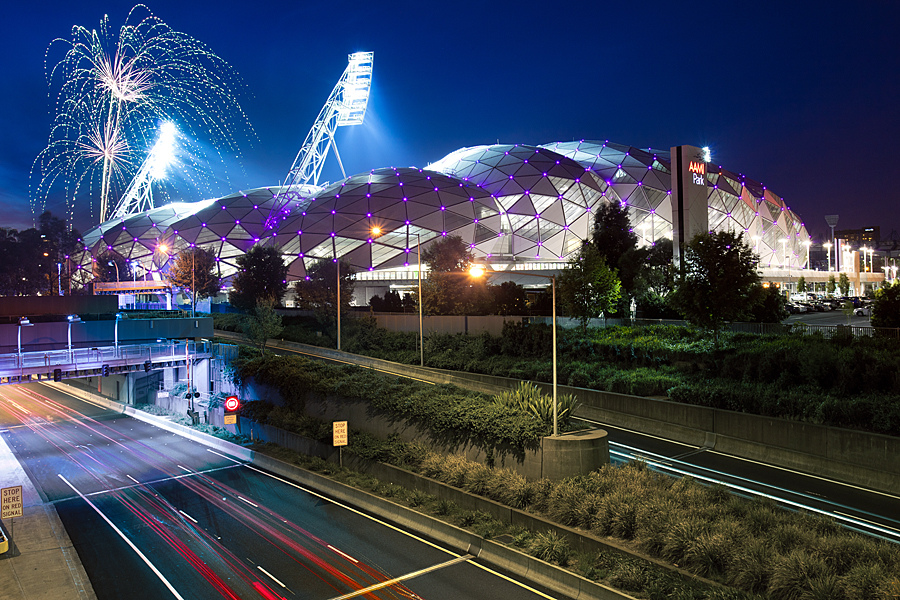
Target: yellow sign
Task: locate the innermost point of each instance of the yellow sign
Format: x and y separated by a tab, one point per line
11	502
339	433
231	419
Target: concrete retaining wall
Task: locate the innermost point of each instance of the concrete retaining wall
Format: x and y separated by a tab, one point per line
865	459
556	457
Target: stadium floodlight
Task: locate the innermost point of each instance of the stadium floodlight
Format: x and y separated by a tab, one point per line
139	195
345	106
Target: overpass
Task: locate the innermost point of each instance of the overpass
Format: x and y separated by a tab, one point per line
101	361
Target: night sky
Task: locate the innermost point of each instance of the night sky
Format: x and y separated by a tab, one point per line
801	96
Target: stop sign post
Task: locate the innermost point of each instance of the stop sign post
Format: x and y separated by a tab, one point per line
232	406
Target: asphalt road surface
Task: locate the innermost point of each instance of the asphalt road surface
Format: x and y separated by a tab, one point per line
153	515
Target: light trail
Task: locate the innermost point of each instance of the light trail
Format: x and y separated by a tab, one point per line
679	468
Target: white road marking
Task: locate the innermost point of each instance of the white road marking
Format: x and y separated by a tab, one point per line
247	501
127	541
272	577
345	555
189	517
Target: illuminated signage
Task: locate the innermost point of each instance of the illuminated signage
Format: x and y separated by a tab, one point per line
698	172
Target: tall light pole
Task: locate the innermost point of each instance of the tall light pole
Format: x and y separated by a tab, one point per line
72	319
807	243
113	263
479	271
828	246
337	270
23	322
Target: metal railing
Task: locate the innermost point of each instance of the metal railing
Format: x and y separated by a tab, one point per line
86	358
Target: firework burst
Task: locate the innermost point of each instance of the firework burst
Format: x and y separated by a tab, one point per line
109	94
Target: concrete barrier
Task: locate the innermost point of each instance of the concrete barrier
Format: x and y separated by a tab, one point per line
856	457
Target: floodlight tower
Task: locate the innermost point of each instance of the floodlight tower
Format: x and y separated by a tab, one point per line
345	106
139	195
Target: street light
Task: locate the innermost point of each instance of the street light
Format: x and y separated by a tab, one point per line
807	244
23	322
113	263
72	319
376	231
479	271
828	246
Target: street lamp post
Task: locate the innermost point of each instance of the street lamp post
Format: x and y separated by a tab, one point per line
72	319
478	271
807	243
376	231
113	263
337	270
23	322
828	246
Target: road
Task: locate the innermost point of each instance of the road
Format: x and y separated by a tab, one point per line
868	511
153	515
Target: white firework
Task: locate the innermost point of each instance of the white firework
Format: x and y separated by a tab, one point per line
111	91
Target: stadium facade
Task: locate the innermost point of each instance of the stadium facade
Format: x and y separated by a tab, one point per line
518	207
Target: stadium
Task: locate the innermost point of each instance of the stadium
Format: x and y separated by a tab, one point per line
518	207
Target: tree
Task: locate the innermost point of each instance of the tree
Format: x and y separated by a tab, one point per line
195	269
616	242
318	291
264	323
801	284
769	305
448	254
844	284
392	302
717	281
119	270
831	285
261	275
656	282
448	290
508	298
588	286
886	308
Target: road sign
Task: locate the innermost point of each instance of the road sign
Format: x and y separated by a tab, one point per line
339	433
11	502
231	419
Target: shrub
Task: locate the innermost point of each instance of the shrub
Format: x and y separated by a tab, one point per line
551	547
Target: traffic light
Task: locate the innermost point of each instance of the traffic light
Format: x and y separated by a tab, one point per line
232	405
147	366
57	374
104	370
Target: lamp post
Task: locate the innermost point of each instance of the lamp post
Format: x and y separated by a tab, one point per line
337	270
23	322
72	319
828	246
478	271
807	243
113	263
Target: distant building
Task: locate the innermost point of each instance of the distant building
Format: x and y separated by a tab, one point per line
865	236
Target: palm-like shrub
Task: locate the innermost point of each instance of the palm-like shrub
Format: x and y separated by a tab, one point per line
527	397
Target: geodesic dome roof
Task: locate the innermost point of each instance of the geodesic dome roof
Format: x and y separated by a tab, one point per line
508	202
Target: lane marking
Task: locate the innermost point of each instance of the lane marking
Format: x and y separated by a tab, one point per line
636	432
247	501
237	462
866	520
347	556
184	468
272	577
884	529
484	568
792	471
127	541
133	479
150	483
189	517
396	580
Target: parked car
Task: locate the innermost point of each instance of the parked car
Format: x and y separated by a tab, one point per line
862	311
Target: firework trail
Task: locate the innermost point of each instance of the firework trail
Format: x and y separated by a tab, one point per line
109	93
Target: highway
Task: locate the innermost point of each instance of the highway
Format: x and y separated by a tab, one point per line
867	511
153	515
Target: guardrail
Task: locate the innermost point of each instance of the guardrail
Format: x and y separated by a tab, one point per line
80	359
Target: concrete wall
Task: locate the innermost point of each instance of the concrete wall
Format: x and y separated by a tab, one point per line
42	337
555	458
